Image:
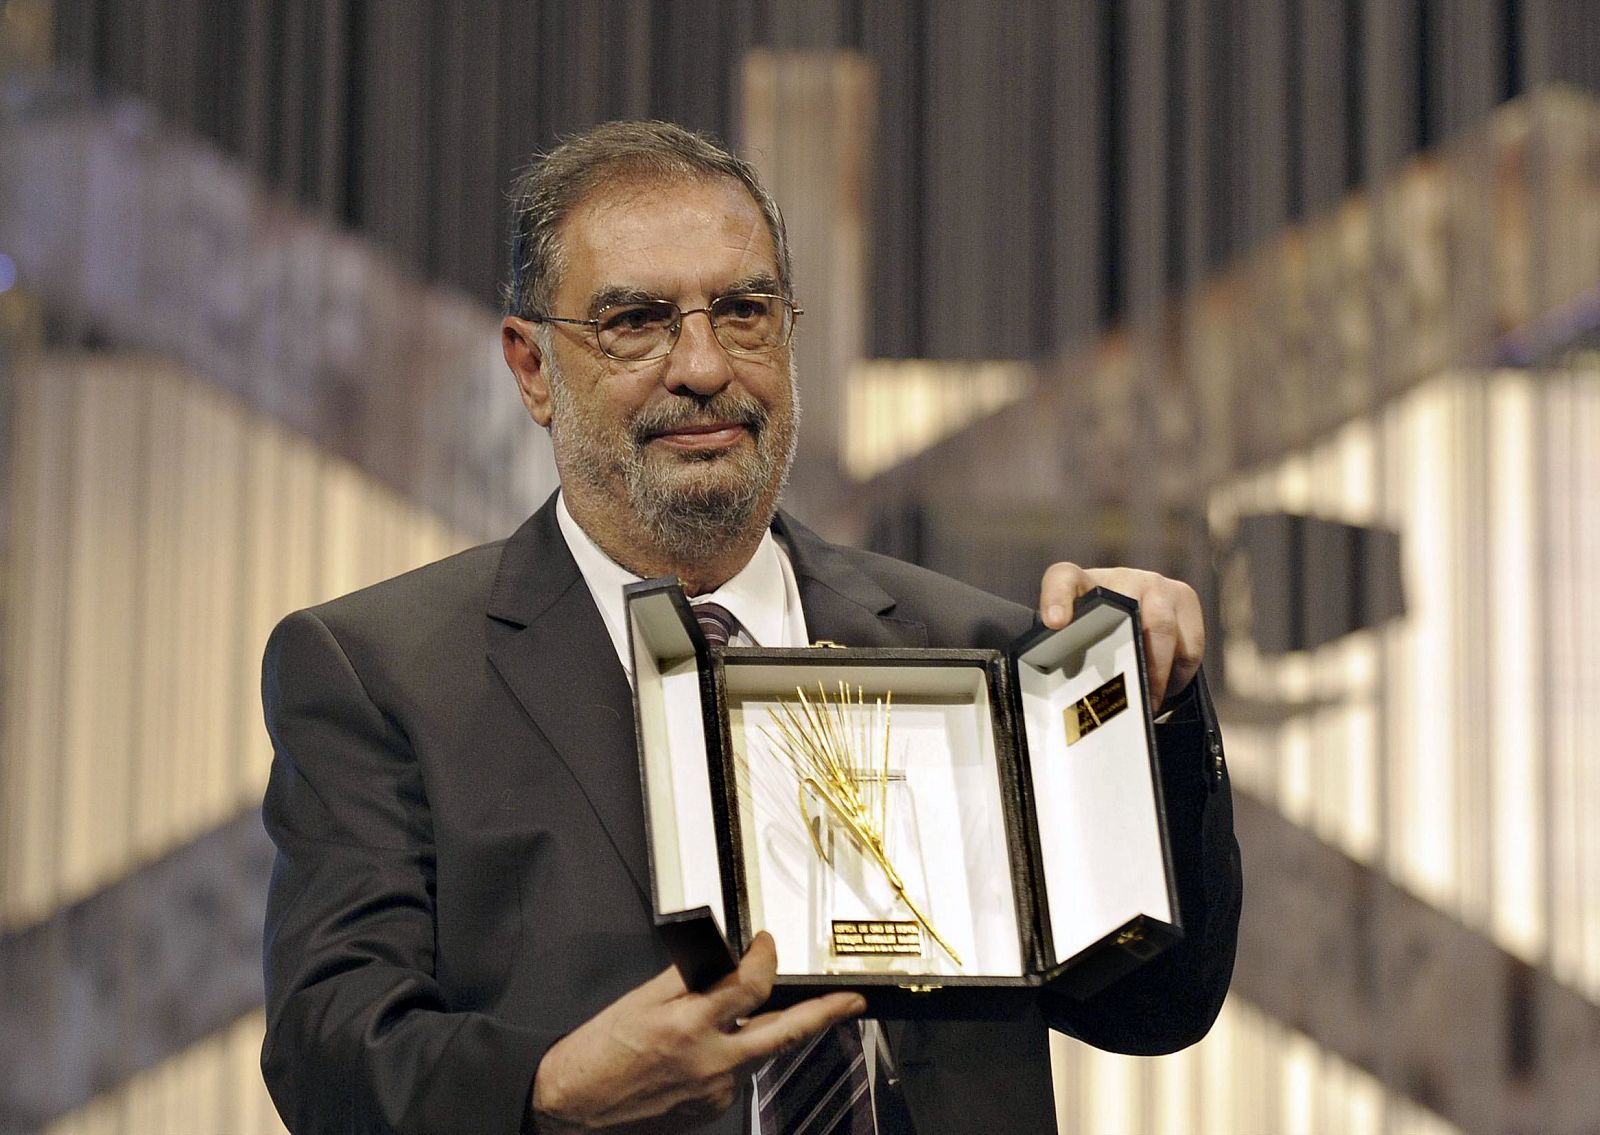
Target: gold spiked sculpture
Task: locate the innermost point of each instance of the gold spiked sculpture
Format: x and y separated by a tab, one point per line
838	751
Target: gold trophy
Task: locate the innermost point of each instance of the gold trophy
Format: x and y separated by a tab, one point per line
860	815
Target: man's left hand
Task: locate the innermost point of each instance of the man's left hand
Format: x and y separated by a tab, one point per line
1174	629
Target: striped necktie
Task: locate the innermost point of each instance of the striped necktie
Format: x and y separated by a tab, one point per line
818	1089
716	623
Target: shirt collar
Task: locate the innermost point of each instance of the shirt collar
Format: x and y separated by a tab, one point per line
764	596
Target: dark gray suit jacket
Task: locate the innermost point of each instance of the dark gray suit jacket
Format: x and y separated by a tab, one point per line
462	876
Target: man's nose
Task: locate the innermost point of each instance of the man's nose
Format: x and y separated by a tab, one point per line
698	363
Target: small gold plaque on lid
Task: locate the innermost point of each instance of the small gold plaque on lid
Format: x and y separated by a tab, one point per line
1095	708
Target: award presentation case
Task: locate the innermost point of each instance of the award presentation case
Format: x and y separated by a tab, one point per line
943	831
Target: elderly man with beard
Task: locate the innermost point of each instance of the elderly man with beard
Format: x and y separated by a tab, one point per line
459	930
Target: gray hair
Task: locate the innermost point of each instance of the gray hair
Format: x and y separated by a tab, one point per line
553	185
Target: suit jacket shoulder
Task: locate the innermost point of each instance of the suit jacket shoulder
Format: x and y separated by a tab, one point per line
399	617
862	598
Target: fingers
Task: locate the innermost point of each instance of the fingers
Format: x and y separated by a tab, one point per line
1175	636
747	988
769	1033
1174	627
1160	622
739	994
1059	590
660	1057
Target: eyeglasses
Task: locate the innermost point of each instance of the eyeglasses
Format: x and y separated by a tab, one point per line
745	323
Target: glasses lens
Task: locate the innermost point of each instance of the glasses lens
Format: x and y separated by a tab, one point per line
751	323
636	330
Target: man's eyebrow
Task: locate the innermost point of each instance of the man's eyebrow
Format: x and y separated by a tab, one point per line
610	296
615	294
761	282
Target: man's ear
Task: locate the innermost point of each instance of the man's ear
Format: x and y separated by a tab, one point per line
526	360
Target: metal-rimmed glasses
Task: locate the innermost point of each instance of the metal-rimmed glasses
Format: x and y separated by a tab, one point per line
745	323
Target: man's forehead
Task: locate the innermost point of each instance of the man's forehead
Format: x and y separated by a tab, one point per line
637	224
622	187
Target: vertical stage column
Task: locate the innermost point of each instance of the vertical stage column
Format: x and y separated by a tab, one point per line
807	121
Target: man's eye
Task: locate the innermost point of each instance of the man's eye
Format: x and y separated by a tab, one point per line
743	308
634	319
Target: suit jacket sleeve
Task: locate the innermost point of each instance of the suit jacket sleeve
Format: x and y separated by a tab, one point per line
360	1036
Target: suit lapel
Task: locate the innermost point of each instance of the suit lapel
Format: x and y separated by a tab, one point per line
842	603
549	645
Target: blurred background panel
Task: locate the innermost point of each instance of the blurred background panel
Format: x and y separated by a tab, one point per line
1297	299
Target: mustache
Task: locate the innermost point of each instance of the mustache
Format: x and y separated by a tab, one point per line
683	410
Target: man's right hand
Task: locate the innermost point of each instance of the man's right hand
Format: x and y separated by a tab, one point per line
661	1058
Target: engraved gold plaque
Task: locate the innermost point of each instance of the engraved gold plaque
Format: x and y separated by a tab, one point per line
856	938
1095	708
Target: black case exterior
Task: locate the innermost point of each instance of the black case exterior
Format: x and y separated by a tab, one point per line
704	953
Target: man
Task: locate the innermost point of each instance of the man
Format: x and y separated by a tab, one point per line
459	933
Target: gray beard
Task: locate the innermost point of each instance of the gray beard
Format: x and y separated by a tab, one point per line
685	523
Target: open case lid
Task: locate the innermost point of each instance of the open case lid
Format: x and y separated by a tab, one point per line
1094	787
674	702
